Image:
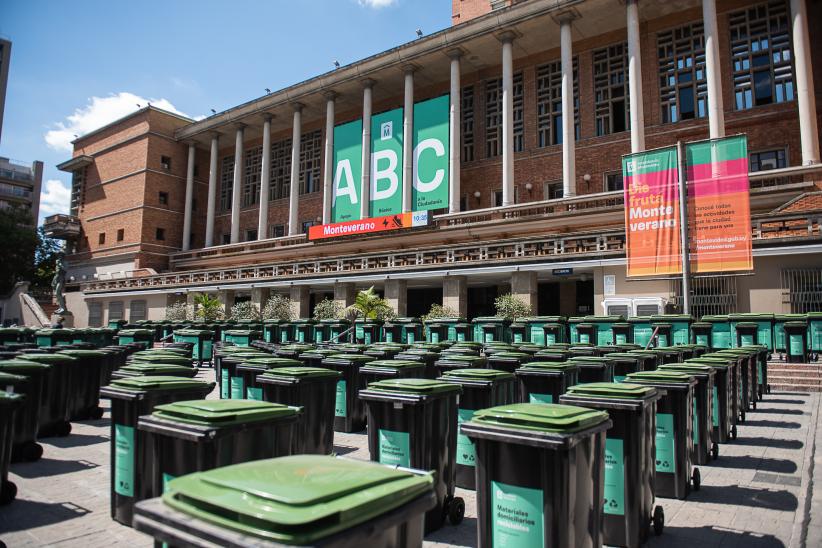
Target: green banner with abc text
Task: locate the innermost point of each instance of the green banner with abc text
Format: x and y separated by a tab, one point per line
430	156
345	200
386	163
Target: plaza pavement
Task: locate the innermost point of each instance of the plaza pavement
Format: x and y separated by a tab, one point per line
764	491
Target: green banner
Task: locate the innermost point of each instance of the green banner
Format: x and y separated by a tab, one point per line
431	146
345	201
386	163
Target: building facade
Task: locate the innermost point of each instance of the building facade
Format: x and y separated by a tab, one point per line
5	59
545	97
20	185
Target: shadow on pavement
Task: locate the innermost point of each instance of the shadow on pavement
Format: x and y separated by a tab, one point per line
713	536
745	496
783	400
343	449
771	424
76	440
780	393
50	467
25	514
763	464
776	443
464	534
780	411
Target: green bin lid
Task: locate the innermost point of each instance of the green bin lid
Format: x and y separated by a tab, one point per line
659	376
58	359
391	364
471	373
542	364
350	357
541	417
621	390
166	359
79	353
686	367
300	372
10	379
296	500
717	361
749	325
272	362
157	368
222	412
17	365
148	383
135	332
509	355
419	387
241	332
8	399
194	333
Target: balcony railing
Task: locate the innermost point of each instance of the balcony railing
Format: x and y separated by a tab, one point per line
61	226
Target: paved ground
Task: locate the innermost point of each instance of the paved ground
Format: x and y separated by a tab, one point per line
762	491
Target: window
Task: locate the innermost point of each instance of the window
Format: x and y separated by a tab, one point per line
165	162
611	89
518	113
802	288
619	310
162	197
549	103
306	225
101	238
95	314
253	160
137	311
310	164
277	231
768	159
468	124
552	190
761	55
226	238
709	295
115	310
250	234
497	198
280	176
78	178
160	234
226	182
493	118
683	92
647	309
121	234
613	181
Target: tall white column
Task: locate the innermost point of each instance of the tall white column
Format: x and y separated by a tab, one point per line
713	76
455	125
212	189
237	188
806	101
408	139
328	166
189	200
265	179
507	118
294	193
365	183
569	185
635	78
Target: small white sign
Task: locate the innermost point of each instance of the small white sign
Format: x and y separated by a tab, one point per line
386	130
609	282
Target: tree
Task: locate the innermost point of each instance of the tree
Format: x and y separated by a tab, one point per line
207	308
327	309
511	308
278	307
45	260
244	311
17	247
370	306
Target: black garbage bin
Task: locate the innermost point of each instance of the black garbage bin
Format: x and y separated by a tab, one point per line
746	384
58	395
140	369
704	448
508	361
412	423
674	440
624	364
341	503
701	333
129	456
450	362
553	355
27	418
313	389
540	474
423	356
230	382
246	373
544	381
9	407
649	360
380	370
747	333
481	389
796	341
594	368
349	412
196	435
629	459
762	353
90	364
727	383
314	358
623	333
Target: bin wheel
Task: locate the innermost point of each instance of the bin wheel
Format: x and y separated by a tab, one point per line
658	520
715	451
456	510
768	389
733	431
753	404
9	492
32	452
742	416
696	479
63	429
96	413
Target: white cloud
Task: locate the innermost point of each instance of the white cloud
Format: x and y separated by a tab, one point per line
54	198
377	4
98	112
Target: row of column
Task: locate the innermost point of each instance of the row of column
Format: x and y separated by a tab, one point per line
804	93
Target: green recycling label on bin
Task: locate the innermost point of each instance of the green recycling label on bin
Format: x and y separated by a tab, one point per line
254	393
517	337
550	338
489	337
124	460
702	339
340	407
614	477
224	384
533	397
517	519
584	338
395	448
796	346
716	407
619	378
237	388
747	340
695	423
466	452
621	338
166	479
665	443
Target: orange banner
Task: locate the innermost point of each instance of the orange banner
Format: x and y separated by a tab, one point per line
369	226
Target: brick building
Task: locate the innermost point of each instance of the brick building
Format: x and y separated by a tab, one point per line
545	96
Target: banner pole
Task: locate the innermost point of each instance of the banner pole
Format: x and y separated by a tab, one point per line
683	231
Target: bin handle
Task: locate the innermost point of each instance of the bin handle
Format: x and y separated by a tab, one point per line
653	336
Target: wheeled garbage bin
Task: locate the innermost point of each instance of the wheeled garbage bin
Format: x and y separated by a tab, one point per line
9	406
705	448
27	418
349	411
544	381
247	372
59	396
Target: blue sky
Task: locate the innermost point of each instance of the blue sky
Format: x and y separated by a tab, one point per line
78	65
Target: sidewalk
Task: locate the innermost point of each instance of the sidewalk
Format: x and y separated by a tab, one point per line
759	493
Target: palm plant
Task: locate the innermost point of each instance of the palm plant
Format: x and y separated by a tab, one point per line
207	308
370	306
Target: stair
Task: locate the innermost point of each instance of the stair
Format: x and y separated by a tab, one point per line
805	377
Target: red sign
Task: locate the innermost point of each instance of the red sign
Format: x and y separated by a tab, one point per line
369	226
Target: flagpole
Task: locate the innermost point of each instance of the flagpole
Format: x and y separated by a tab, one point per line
683	231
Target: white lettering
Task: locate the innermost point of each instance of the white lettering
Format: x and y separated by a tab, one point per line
389	174
344	170
439	150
